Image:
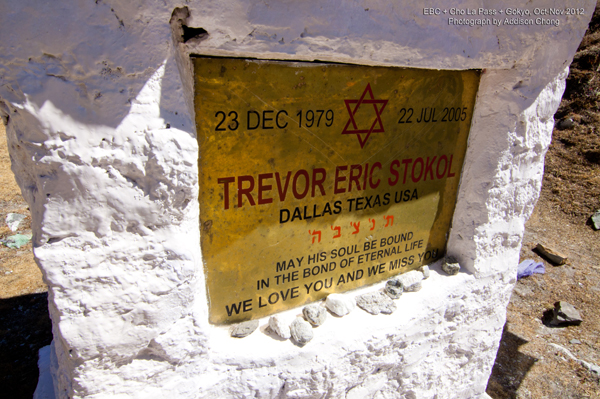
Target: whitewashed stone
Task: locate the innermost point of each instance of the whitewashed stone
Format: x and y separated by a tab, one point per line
340	304
394	288
279	326
425	270
301	331
113	192
244	329
315	314
411	281
375	303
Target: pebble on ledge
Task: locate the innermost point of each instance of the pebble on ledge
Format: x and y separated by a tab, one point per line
315	314
411	281
375	303
301	331
244	329
394	288
450	266
279	327
340	305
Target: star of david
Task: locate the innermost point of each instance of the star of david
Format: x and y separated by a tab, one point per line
376	126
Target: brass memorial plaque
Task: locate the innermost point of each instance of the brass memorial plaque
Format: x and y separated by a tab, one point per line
320	178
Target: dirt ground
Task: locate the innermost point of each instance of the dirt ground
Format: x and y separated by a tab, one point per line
527	366
24	322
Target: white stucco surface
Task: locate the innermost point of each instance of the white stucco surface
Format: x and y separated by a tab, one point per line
97	99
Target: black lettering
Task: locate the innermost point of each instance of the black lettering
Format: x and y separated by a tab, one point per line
283	212
234	308
297	214
386	199
219	128
247	304
266	119
257	120
338	207
277	119
234	121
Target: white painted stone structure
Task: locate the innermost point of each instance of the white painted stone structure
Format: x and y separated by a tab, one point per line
98	102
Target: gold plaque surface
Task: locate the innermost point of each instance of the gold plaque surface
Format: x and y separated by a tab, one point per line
320	178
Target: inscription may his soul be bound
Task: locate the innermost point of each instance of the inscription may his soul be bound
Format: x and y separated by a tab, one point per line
320	178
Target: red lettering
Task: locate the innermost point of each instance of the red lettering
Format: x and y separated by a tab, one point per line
354	178
437	169
245	191
339	178
406	162
450	174
263	187
371	184
282	191
297	194
393	171
225	181
412	175
366	176
429	167
318	182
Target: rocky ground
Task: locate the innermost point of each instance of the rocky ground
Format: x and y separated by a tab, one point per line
531	362
24	322
529	365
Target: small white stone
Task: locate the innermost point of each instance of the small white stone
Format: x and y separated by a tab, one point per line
375	303
279	327
411	281
13	220
315	314
339	304
394	288
242	330
425	271
301	331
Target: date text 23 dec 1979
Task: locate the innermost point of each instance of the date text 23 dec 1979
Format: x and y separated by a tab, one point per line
345	174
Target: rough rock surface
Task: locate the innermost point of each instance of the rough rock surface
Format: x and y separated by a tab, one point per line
566	123
551	255
596	220
565	314
278	325
244	329
425	270
450	266
340	304
411	281
315	314
394	288
301	331
375	303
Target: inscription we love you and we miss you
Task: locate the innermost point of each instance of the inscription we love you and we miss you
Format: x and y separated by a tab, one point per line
320	178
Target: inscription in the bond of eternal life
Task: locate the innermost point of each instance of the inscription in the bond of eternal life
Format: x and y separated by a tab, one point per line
320	178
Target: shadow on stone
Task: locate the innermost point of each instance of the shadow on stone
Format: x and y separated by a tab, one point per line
24	328
510	368
547	317
562	315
